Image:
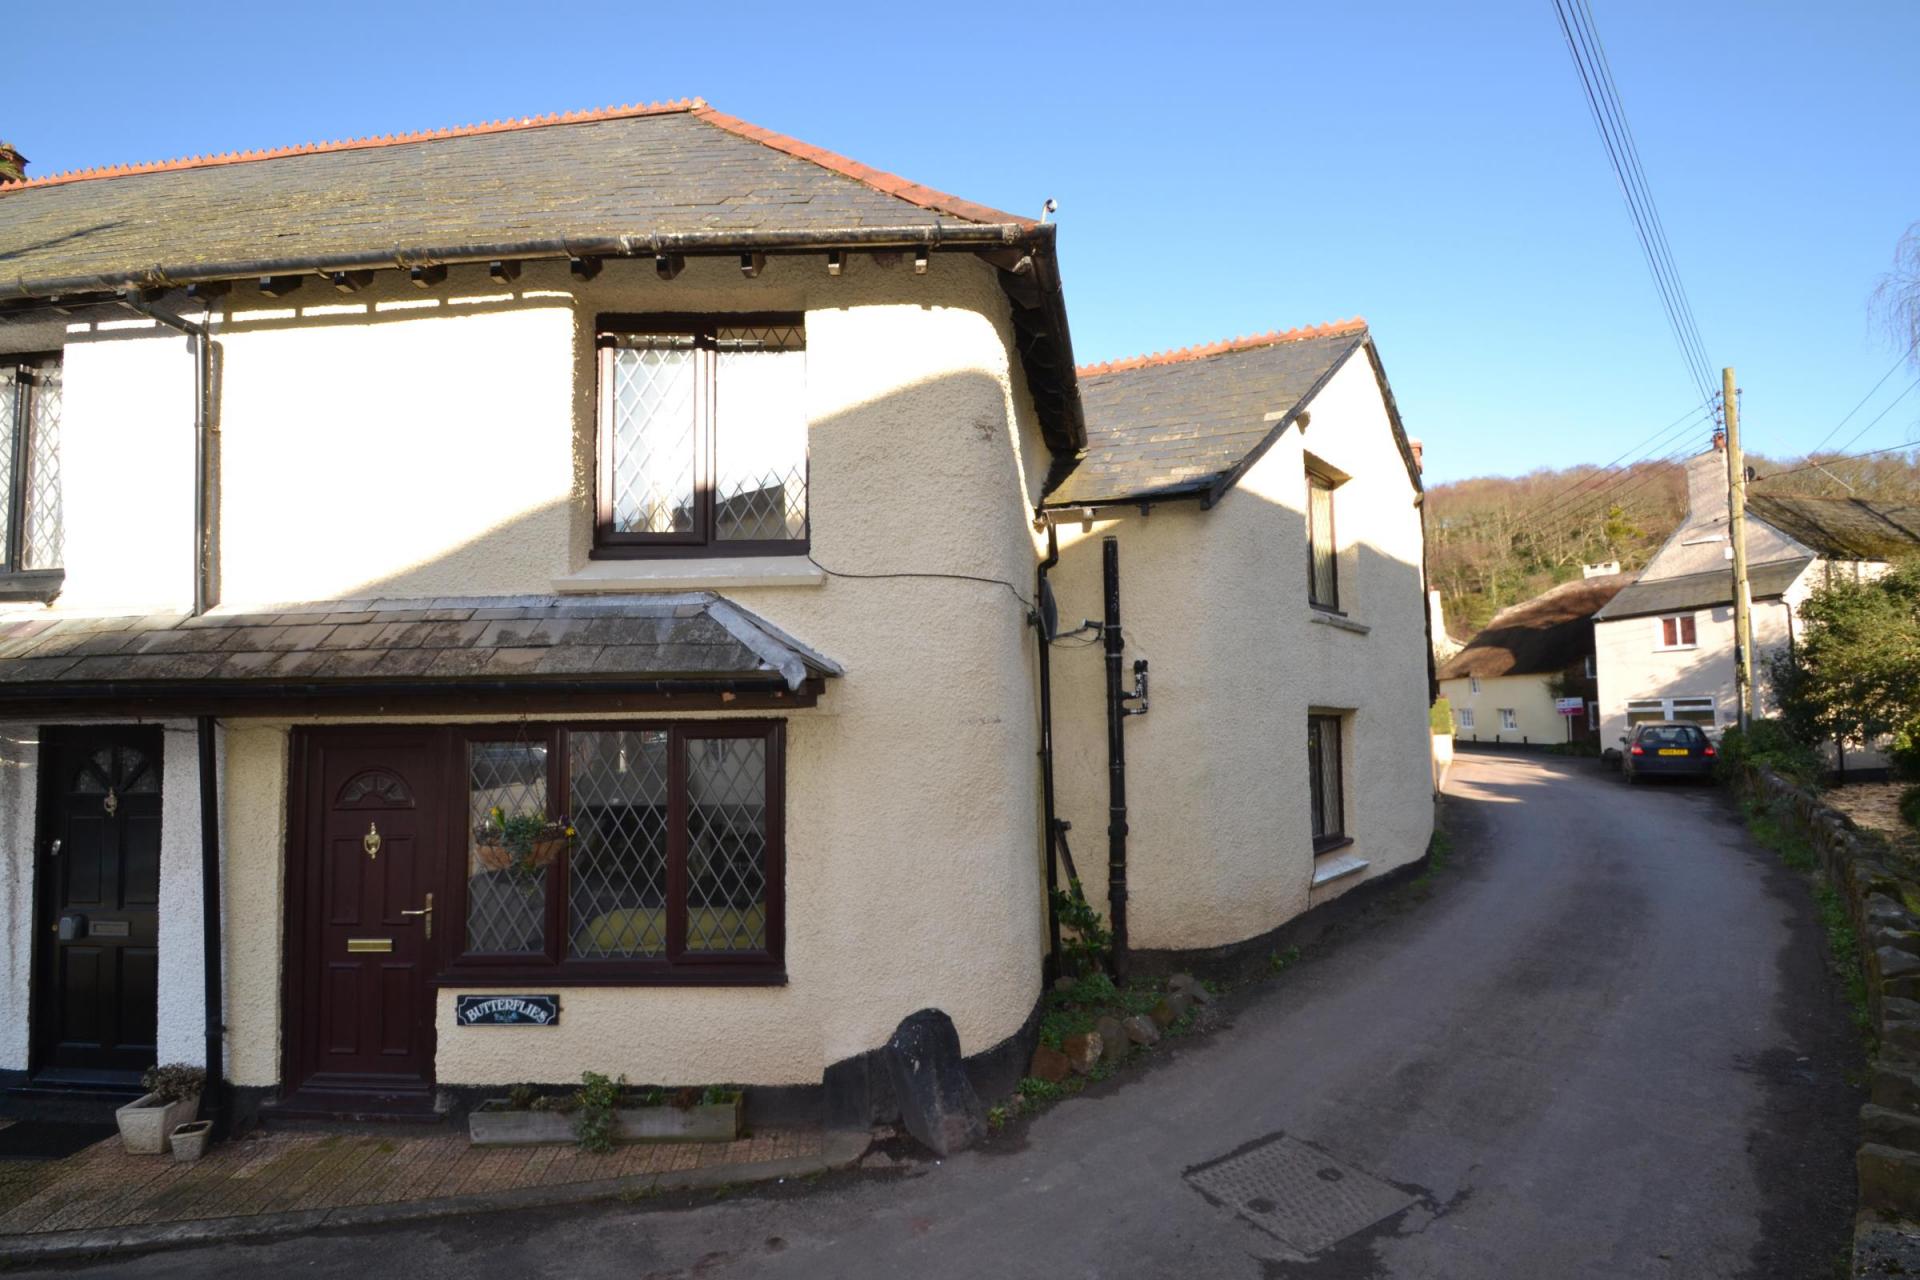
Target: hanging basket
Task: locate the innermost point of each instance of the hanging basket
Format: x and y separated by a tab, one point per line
494	854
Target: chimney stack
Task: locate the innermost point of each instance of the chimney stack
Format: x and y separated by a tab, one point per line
1419	455
13	165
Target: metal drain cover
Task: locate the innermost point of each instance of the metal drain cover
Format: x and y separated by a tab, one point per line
1301	1196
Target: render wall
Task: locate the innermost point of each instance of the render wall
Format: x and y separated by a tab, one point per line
1530	697
408	444
1220	848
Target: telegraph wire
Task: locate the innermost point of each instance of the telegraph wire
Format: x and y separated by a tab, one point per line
1902	359
1609	117
1657	440
1846	457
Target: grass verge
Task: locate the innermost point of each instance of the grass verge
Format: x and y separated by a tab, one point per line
1773	830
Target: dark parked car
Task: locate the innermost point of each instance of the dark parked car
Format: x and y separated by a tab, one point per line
1667	748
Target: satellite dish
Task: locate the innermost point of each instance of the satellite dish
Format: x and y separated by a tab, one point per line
1049	610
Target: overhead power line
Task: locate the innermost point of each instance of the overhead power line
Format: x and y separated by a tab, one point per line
1835	430
1844	457
1623	153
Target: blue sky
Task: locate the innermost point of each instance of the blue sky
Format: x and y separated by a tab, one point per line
1221	169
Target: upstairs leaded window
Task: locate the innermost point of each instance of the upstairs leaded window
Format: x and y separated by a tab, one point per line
703	437
1323	565
30	539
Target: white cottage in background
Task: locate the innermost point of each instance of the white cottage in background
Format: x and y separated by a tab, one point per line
1665	644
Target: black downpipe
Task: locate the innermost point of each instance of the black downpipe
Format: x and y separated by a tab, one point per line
214	1103
1047	838
1116	756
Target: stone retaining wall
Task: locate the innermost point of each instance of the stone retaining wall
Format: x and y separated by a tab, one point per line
1885	908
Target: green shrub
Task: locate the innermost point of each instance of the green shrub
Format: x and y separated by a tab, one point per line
174	1082
1440	718
1904	751
1768	743
1910	807
596	1099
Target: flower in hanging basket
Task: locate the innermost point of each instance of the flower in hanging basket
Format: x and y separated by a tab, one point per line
522	842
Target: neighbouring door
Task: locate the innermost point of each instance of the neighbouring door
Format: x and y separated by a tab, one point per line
99	869
363	879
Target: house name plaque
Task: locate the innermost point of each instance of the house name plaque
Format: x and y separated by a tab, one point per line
506	1011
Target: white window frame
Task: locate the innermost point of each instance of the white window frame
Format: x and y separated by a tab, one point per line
1509	720
1588	660
1682	622
1464	716
1669	708
1473	684
1593	717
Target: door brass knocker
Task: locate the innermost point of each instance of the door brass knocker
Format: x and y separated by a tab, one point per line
111	804
371	841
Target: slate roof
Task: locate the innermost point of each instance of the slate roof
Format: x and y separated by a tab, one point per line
1842	528
1546	634
486	638
677	169
1177	423
1700	590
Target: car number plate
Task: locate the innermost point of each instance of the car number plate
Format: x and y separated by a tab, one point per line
1673	751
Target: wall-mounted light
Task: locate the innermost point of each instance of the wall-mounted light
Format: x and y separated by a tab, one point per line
501	271
349	281
920	257
583	269
752	264
836	262
668	265
427	277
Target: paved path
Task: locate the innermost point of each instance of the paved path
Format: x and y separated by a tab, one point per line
1605	1046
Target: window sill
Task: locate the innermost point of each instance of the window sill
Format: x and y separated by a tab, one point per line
1675	648
692	574
1338	620
1328	870
37	585
558	978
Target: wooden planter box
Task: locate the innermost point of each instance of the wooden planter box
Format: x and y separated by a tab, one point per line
494	1124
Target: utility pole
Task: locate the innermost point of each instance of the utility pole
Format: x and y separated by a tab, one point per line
1737	530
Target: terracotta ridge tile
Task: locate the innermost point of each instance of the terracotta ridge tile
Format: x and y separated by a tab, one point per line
891	184
1202	351
512	125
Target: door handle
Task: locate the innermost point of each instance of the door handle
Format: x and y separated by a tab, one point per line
426	914
53	850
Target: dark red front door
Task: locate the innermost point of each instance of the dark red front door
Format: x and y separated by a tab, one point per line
99	871
368	867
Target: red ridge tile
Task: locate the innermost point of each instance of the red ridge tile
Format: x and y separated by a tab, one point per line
1203	350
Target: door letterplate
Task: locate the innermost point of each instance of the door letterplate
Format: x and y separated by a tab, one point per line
361	946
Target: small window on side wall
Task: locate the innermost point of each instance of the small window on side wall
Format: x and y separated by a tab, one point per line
1325	782
1323	564
1677	632
30	524
702	436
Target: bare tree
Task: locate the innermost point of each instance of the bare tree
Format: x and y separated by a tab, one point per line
1896	300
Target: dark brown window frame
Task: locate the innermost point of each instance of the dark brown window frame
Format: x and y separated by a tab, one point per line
1319	480
677	967
609	544
1317	790
17	583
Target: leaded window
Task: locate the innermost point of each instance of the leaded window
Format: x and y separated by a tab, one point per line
1324	782
703	436
673	865
31	533
1323	566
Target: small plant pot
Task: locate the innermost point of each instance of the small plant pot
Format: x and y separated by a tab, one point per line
190	1140
495	1124
147	1125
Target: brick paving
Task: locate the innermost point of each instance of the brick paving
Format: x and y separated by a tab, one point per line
103	1186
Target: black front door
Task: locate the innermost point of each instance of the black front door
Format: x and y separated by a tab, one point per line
98	918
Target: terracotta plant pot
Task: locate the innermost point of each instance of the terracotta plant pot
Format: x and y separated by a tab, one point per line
190	1140
498	857
146	1126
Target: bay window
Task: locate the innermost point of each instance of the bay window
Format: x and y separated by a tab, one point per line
638	852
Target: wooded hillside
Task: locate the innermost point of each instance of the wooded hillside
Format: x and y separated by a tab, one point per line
1493	541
